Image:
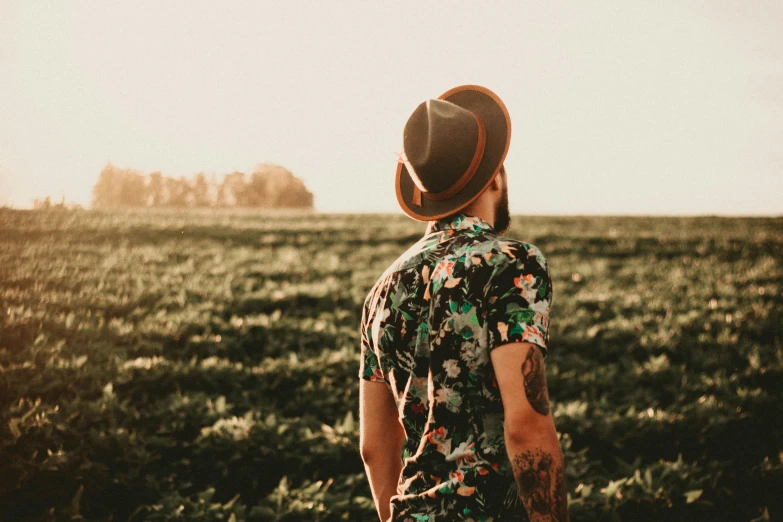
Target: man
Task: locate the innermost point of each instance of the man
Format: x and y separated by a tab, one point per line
454	335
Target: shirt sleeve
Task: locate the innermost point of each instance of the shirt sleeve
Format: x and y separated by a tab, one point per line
369	366
518	298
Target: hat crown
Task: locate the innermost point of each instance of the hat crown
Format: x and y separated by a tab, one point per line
453	147
440	142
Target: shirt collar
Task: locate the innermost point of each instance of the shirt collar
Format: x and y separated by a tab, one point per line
459	222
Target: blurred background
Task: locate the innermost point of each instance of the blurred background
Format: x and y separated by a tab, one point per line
623	108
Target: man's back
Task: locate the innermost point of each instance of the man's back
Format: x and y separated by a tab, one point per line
428	327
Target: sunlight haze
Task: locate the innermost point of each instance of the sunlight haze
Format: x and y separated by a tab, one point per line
617	108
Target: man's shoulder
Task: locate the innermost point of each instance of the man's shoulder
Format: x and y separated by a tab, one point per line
527	251
496	250
485	250
414	256
408	260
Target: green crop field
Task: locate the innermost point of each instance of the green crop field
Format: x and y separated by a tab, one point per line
203	366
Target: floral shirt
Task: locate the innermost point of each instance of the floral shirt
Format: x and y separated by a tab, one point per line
428	326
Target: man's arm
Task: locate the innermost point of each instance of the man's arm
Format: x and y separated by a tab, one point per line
531	439
381	439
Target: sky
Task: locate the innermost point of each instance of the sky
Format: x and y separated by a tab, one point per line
666	107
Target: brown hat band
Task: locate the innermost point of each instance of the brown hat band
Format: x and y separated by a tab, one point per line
462	181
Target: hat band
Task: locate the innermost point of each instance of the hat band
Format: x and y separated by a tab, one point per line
481	143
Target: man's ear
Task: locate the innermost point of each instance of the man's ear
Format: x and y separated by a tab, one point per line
497	182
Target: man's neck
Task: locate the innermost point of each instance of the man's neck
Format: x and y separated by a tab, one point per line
483	212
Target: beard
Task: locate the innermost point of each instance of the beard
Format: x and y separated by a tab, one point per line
502	215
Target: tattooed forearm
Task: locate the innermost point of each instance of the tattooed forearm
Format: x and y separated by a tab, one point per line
541	483
535	381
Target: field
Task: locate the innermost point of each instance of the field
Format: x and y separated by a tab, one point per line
203	366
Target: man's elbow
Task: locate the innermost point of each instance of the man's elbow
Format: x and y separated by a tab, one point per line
516	435
380	457
381	445
527	430
368	453
370	450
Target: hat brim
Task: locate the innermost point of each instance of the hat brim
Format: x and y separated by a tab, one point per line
494	114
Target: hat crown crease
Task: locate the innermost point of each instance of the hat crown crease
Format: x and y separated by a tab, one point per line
440	141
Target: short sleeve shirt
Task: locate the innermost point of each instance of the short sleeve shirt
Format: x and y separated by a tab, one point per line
428	327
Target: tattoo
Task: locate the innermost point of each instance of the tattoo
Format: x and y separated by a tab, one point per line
541	483
535	381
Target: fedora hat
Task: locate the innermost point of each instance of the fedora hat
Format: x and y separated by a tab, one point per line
453	147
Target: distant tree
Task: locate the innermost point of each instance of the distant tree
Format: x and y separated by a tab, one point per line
200	190
119	188
40	204
216	192
257	190
220	195
133	190
234	188
179	191
107	191
156	195
282	188
269	186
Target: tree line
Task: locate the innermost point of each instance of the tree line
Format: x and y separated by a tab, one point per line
268	186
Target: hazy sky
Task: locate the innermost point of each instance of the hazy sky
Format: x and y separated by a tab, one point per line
617	107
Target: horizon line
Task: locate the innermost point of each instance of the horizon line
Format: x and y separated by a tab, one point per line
81	208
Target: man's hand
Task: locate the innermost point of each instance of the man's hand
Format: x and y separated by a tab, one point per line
381	439
531	439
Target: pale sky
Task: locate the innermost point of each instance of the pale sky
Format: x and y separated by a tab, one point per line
665	107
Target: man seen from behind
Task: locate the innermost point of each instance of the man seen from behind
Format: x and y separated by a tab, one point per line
454	410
